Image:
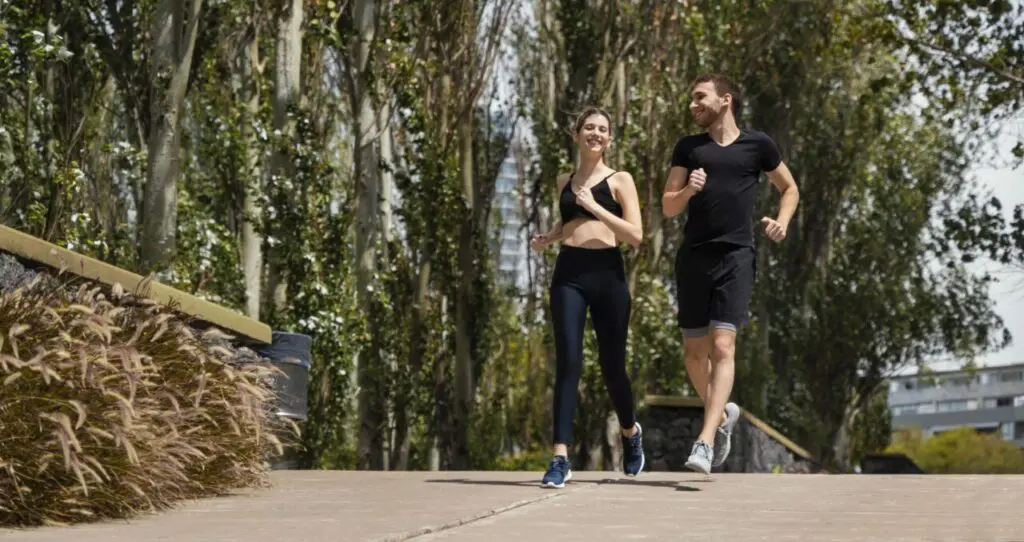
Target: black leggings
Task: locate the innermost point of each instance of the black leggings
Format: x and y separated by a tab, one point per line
595	278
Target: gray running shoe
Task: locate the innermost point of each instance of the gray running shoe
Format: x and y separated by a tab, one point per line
723	435
700	457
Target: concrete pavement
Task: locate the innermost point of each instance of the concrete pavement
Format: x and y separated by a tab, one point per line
308	506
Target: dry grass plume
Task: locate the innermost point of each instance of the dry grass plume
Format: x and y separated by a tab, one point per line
110	405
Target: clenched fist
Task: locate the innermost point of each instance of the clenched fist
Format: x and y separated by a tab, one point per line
585	198
773	229
697	179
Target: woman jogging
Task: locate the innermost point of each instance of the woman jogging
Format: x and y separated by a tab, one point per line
599	208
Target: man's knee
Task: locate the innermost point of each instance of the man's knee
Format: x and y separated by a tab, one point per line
723	346
696	349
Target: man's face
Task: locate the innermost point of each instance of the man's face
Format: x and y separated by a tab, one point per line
706	105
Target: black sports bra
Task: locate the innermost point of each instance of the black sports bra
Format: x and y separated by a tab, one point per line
602	195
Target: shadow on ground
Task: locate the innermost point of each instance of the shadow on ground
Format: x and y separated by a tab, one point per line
606	481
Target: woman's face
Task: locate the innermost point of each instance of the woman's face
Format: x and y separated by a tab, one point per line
595	134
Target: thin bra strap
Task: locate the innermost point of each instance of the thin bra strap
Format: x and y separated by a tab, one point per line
573	174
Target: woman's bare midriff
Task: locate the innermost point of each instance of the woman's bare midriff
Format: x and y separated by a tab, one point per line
588	233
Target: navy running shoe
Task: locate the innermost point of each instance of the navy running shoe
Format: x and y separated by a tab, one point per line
559	472
633	453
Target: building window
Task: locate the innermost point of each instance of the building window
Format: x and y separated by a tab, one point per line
1015	376
961	381
1007	430
1004	402
952	406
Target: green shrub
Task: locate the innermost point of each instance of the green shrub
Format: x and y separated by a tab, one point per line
533	460
960	451
111	405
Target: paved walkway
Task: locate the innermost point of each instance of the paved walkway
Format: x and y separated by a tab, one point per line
307	506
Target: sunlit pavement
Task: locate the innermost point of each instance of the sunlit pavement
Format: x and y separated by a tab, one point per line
342	506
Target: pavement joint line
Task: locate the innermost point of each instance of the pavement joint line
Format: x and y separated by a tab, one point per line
434	529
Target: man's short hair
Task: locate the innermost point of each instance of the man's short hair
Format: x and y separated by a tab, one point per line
723	86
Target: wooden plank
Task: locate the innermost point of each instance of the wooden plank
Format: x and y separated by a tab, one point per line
683	401
673	401
34	249
771	432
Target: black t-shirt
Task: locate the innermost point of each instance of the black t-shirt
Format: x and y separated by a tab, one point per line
722	212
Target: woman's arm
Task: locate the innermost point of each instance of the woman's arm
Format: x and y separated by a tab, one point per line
556	233
629	228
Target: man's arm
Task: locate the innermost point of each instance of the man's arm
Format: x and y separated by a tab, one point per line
783	180
675	197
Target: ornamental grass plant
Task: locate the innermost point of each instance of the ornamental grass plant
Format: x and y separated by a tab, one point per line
111	405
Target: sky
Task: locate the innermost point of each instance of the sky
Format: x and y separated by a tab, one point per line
1007	184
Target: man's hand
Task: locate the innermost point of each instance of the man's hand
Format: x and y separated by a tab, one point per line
774	229
697	180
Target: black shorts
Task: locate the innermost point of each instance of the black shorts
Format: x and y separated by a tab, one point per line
714	284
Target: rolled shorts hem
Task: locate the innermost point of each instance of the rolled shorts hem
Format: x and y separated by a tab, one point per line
694	332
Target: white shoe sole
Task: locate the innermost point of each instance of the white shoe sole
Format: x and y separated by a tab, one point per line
551	485
726	444
695	466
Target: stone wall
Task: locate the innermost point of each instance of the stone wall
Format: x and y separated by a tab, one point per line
670	430
13	273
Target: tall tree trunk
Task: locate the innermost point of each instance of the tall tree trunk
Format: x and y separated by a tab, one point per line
252	250
370	445
440	415
287	92
175	26
400	452
387	177
464	302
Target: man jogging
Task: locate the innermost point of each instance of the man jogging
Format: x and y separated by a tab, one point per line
714	175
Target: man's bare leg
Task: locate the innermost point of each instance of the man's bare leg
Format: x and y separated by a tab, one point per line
723	371
703	456
697	353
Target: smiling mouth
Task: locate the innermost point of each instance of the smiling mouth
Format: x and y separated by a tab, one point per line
594	142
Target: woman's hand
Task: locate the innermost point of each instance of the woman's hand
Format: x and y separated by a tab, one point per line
540	242
585	198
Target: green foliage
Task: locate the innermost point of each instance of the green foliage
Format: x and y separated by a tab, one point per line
206	263
960	451
533	460
655	348
871	277
870	429
112	406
